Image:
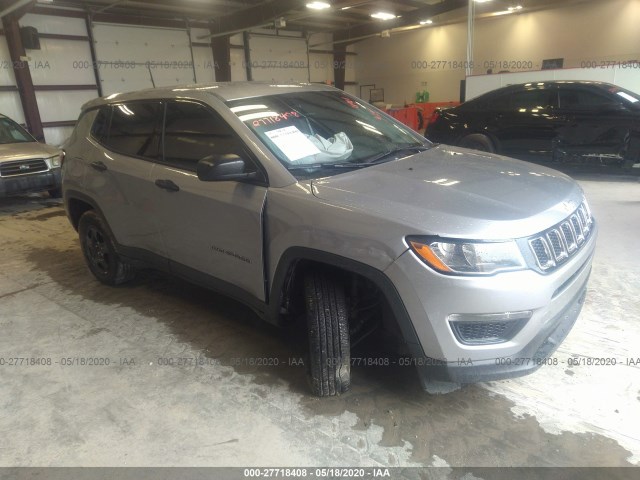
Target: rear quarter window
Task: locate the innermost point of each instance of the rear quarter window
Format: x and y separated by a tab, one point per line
135	129
100	127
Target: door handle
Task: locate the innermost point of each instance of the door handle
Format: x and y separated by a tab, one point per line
167	185
98	165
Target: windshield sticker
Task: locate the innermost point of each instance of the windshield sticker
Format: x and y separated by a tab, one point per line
350	102
270	120
293	143
356	106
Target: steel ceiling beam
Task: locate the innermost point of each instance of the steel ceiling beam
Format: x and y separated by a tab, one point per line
351	35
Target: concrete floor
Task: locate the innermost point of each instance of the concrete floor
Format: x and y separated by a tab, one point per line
138	412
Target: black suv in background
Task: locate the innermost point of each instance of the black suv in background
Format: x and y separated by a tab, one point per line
564	121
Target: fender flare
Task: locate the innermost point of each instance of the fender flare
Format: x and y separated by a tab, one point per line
293	255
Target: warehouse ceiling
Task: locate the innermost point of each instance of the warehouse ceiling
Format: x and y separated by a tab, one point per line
349	19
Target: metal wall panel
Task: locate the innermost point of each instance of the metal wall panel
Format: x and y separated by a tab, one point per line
204	65
61	62
55	24
130	56
238	71
11	107
57	135
279	59
62	106
7	77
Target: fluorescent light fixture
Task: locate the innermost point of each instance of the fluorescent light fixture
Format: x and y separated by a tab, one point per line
345	8
383	16
515	8
426	22
318	5
482	1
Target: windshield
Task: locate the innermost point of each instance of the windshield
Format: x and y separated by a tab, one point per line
629	97
11	132
327	131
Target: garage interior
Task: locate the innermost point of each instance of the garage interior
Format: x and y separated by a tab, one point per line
140	410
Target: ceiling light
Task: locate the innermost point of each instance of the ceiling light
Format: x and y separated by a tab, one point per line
426	22
345	8
517	7
318	5
383	16
482	1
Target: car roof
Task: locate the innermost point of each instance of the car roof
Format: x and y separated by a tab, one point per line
550	83
223	90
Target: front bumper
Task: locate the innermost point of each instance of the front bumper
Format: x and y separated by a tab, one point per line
533	356
32	182
429	298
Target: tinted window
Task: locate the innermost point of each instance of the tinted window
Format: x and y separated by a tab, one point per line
535	99
136	129
100	127
500	102
193	132
585	100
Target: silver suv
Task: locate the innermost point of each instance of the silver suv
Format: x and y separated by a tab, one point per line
310	205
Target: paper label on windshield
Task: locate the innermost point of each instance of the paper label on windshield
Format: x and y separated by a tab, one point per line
292	142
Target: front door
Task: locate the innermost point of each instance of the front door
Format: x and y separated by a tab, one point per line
208	228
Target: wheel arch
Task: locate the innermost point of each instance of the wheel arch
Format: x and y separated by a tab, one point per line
76	203
476	131
295	261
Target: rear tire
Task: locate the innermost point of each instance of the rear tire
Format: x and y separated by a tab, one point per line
478	141
328	331
99	251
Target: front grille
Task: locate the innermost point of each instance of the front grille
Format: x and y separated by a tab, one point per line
22	167
562	241
484	333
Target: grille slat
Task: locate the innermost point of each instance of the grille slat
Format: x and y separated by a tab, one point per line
556	245
22	167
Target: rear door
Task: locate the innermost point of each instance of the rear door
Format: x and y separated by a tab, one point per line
528	127
127	139
213	229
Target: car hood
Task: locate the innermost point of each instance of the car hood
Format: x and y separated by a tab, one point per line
456	192
23	151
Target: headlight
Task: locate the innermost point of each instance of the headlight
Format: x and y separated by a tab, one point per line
57	160
467	257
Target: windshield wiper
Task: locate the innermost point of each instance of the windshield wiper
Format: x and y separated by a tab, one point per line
407	148
376	159
318	166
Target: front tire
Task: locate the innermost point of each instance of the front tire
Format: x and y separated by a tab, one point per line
99	251
478	141
328	331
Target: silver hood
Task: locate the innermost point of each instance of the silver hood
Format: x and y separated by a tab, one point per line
26	150
455	192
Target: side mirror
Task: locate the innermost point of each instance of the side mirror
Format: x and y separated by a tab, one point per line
219	168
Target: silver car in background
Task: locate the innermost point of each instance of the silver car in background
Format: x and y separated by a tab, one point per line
26	165
312	206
